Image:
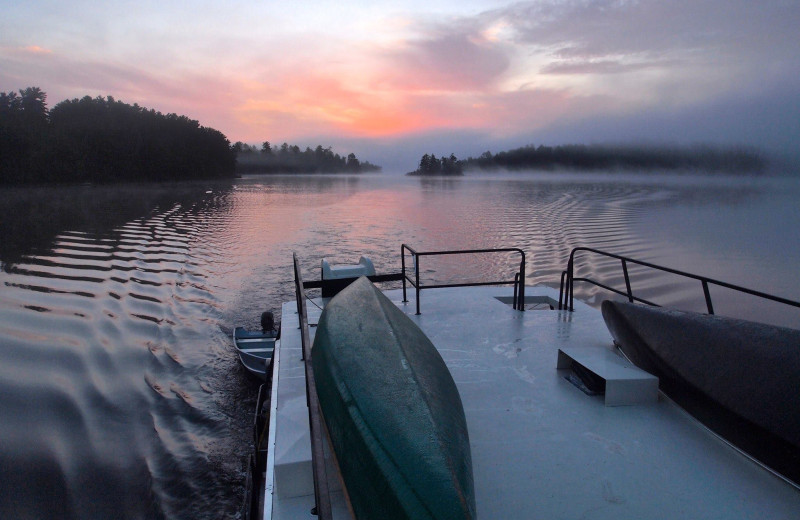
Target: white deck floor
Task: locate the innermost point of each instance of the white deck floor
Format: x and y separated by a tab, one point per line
541	448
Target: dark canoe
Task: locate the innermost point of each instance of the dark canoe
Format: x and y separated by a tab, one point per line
740	378
392	410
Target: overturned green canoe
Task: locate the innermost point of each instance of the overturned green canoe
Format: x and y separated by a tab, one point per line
392	410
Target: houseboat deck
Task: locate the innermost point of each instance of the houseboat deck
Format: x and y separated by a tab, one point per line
541	448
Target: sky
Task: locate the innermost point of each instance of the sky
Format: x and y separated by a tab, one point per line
391	81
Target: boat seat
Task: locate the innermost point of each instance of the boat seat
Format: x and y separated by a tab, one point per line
625	383
256	340
364	267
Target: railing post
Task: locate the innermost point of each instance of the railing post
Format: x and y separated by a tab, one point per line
708	297
403	270
416	277
570	288
521	304
298	295
571	293
627	280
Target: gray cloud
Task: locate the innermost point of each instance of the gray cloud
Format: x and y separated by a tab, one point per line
595	67
580	29
770	122
723	72
84	77
450	60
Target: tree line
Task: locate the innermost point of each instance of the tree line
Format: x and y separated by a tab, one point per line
596	157
429	164
103	140
291	159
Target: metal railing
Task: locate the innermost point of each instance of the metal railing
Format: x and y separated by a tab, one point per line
322	500
518	281
331	287
566	293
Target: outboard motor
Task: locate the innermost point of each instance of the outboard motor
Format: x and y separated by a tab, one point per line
267	322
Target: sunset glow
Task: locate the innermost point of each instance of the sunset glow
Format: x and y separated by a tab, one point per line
502	73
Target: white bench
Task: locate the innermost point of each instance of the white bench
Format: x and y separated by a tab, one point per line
364	267
626	384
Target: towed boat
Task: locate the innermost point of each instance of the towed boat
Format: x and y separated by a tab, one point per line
255	349
556	422
738	377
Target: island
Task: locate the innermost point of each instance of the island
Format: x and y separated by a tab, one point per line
735	159
430	165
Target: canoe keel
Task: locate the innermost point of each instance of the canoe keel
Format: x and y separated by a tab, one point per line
392	410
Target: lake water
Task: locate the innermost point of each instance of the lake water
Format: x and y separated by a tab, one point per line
121	394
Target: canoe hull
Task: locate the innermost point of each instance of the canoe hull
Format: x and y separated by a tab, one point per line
392	411
739	378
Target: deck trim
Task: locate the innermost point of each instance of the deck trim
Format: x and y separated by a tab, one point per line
269	477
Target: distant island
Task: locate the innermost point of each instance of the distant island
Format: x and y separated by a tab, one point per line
104	140
290	159
429	164
598	157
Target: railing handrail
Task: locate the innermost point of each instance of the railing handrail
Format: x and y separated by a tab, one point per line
566	293
518	282
322	500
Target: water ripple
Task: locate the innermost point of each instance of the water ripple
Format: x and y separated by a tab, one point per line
70	318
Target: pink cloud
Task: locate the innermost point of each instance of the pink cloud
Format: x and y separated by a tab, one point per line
315	103
445	79
318	102
35	49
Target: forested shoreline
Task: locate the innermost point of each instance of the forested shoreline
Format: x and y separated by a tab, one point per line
291	159
104	140
601	157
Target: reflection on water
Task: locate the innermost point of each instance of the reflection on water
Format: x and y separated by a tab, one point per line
108	329
122	396
30	218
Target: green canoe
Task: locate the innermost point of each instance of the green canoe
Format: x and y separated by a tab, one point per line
392	410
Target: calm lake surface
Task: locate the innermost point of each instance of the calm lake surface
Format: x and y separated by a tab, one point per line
121	394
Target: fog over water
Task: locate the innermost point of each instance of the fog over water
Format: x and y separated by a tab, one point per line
122	394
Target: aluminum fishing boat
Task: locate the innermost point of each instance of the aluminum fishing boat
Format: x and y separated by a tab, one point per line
255	349
560	424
